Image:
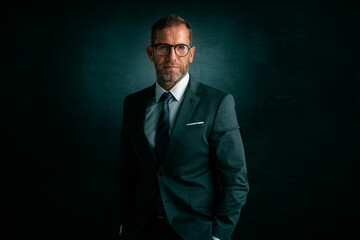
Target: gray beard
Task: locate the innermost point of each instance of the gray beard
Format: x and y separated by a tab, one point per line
171	78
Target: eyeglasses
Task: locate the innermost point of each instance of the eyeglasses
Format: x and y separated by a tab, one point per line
163	49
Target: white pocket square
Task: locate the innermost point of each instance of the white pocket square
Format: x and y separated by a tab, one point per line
194	123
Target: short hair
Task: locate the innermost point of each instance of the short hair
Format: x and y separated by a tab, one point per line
169	21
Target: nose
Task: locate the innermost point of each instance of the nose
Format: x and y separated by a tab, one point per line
171	55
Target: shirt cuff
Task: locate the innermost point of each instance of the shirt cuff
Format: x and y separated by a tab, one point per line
215	238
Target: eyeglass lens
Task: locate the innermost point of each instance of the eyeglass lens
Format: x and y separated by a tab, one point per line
180	50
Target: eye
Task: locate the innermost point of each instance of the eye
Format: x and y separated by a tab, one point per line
181	47
162	46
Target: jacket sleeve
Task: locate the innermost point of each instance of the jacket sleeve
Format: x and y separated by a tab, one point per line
228	152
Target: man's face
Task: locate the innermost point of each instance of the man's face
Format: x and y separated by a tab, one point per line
171	68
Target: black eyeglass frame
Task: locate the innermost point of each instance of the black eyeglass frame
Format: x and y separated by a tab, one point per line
174	46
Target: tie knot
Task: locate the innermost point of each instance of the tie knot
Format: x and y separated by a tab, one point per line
166	96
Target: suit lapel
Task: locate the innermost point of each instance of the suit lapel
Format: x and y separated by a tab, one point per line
187	108
144	146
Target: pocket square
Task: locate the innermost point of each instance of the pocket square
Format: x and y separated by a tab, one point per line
194	123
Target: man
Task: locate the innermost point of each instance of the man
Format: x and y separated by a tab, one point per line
183	171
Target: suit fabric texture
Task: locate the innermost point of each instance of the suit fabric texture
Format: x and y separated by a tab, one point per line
202	178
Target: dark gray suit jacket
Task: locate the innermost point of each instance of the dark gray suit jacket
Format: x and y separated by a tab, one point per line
202	178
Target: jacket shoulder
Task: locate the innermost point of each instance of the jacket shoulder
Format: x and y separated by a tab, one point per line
139	95
212	92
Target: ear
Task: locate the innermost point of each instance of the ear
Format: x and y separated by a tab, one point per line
192	51
150	52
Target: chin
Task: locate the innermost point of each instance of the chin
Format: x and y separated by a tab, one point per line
170	77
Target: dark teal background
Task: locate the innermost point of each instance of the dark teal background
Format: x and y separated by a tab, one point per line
292	66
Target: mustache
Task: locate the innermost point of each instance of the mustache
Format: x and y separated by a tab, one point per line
171	64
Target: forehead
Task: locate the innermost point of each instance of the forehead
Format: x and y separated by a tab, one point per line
173	35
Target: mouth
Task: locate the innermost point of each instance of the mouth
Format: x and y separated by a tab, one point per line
170	67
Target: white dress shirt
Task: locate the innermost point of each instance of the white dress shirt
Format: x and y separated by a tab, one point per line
154	108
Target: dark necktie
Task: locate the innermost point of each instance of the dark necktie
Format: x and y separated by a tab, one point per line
162	132
161	141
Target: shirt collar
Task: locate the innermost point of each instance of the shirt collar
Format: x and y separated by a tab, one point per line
177	91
